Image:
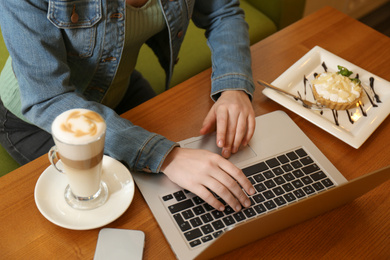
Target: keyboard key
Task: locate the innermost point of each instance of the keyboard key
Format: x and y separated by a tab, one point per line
260	209
183	225
306	180
217	234
192	234
206	218
181	206
207	238
280	201
297	184
270	184
296	164
318	186
268	174
327	183
217	214
198	200
278	171
249	212
278	191
310	168
308	189
260	187
195	222
289	197
259	177
279	180
179	195
218	224
287	167
167	197
272	162
298	173
239	216
207	229
268	194
270	204
299	193
260	167
229	220
195	243
318	176
301	152
306	160
288	177
228	210
208	207
292	156
187	214
199	210
258	198
283	159
288	187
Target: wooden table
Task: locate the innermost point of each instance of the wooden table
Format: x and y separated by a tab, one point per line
360	229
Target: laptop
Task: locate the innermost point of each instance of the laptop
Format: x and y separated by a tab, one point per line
293	179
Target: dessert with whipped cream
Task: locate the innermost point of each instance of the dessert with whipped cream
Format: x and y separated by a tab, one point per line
336	90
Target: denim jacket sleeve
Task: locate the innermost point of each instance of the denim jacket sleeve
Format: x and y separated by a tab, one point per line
228	39
47	51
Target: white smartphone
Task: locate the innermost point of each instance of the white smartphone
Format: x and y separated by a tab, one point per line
119	244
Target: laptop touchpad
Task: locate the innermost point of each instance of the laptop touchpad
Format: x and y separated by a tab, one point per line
208	142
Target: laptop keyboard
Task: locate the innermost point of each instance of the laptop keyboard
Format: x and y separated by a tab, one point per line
278	181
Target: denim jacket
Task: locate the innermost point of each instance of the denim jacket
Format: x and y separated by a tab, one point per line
65	55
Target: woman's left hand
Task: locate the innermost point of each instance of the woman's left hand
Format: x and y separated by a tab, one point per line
233	118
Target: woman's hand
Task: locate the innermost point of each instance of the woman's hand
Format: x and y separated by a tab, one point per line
200	171
233	118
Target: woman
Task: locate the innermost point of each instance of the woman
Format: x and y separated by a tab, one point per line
81	54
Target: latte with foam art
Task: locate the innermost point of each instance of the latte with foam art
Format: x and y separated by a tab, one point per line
79	135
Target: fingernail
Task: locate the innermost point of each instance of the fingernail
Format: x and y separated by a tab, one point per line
226	153
247	203
251	191
222	208
238	208
220	143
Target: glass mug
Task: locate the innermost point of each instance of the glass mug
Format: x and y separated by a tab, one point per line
79	136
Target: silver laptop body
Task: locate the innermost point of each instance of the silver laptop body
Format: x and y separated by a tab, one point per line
275	134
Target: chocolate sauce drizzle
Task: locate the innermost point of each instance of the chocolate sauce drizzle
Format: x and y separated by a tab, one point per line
335	113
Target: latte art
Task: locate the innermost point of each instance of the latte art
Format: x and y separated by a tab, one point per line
78	126
81	124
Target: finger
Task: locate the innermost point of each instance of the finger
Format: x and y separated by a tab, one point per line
205	194
208	123
250	130
241	132
231	179
238	176
230	134
222	122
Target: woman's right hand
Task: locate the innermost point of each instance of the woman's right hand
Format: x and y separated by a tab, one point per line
201	172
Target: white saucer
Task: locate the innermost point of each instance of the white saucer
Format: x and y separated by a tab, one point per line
49	197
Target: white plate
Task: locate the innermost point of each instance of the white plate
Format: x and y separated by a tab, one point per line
352	127
49	197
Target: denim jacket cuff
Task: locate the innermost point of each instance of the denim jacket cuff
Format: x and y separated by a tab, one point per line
154	153
232	82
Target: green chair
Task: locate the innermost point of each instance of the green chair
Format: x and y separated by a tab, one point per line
264	18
